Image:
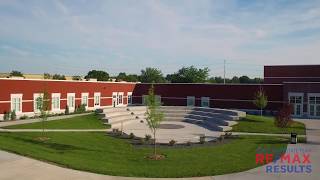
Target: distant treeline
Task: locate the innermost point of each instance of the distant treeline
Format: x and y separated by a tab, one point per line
153	75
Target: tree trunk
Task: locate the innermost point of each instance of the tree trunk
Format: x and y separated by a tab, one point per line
154	147
42	128
261	112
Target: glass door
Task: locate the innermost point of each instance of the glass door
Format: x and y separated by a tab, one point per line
314	106
296	102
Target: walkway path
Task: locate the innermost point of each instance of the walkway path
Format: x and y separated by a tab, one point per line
26	121
15	167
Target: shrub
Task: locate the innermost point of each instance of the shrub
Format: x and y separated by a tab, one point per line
131	136
227	134
188	143
81	108
202	139
13	115
283	119
147	137
115	130
6	116
172	142
24	117
142	141
66	111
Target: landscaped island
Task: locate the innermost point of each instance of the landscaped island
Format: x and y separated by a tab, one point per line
265	124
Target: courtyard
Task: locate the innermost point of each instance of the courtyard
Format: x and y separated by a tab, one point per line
97	152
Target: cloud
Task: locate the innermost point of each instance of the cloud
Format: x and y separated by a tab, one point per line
130	35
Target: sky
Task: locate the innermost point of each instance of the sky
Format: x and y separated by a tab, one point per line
74	36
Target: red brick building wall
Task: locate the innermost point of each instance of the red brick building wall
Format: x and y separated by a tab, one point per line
291	73
239	96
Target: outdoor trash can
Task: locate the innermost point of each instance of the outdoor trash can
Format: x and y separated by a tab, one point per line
294	138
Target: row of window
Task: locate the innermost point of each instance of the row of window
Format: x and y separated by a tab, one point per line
16	100
205	101
296	99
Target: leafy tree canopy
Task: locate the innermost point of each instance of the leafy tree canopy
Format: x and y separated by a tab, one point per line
189	75
16	73
151	75
59	77
99	75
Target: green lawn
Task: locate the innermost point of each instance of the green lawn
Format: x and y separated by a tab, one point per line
264	124
99	153
80	122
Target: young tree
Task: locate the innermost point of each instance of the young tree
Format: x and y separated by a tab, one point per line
260	100
154	116
43	104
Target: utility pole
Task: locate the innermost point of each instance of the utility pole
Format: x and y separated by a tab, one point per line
224	71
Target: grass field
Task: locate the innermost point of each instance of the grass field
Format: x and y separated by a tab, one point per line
80	122
264	124
99	153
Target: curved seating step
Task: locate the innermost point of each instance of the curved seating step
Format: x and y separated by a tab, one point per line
119	124
211	118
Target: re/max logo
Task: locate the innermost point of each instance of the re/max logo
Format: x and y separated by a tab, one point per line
287	163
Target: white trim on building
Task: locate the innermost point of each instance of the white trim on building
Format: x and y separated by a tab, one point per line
55	102
71	101
85	99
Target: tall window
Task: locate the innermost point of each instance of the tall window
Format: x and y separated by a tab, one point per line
84	99
314	105
36	105
296	100
16	102
190	100
71	100
120	98
205	101
97	99
129	94
55	101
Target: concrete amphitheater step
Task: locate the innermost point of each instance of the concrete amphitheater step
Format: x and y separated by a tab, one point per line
116	113
115	109
217	127
118	124
119	118
221	115
222	111
138	108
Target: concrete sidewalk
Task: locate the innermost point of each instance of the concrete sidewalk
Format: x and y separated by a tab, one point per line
27	121
15	167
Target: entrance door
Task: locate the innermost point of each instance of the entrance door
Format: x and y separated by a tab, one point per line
114	99
314	105
296	102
